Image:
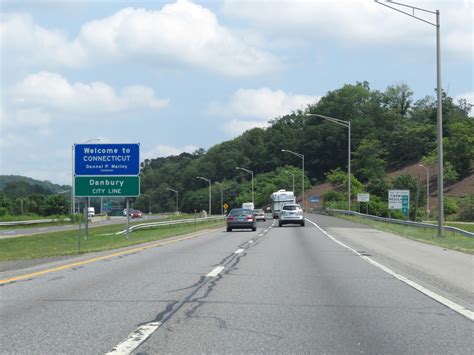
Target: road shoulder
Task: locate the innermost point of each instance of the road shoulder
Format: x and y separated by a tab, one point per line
446	272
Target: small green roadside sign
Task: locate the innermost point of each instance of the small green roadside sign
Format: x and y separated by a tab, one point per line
97	186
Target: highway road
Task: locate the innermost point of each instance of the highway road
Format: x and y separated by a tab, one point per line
277	290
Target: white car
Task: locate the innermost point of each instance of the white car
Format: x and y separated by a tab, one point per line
259	215
291	214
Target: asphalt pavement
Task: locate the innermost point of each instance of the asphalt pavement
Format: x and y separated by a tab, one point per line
277	290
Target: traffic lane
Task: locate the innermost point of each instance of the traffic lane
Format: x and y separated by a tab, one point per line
447	272
296	291
20	232
93	307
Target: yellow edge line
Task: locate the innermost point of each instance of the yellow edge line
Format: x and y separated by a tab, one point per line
47	271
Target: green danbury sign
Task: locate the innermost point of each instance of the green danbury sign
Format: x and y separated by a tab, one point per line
96	186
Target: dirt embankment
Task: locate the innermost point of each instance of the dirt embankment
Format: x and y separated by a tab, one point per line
462	188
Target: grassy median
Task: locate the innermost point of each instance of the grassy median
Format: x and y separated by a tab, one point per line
450	240
100	239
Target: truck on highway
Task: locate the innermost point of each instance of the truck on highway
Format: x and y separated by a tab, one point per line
279	199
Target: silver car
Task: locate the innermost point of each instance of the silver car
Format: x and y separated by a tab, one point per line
259	215
291	214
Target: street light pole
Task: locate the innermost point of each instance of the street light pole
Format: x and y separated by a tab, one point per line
209	181
427	191
439	120
149	202
293	176
249	172
176	192
346	124
222	198
302	171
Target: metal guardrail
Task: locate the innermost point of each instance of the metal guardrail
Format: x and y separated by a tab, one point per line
34	221
400	221
169	223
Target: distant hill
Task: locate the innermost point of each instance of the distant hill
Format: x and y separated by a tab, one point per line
47	185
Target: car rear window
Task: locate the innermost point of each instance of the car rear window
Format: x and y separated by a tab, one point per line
291	207
237	212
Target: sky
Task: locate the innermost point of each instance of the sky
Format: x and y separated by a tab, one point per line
176	76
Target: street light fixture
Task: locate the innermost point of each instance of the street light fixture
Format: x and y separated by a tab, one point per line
346	124
222	197
302	170
209	181
251	173
427	192
293	176
439	120
177	194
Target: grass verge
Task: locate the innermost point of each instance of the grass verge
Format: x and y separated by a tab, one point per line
450	240
466	226
100	239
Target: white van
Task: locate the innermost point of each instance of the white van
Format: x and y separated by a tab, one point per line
90	211
248	205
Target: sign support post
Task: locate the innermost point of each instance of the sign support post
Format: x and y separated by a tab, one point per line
128	218
86	222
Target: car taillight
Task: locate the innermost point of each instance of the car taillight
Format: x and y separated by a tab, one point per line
249	217
230	218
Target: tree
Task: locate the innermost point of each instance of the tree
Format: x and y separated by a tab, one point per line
367	161
459	147
398	98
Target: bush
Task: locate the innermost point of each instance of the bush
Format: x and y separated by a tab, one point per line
450	206
466	209
377	207
334	196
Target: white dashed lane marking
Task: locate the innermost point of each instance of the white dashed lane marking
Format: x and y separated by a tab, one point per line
216	271
134	340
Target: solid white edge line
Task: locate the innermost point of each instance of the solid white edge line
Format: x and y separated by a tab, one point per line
238	251
216	271
450	304
135	339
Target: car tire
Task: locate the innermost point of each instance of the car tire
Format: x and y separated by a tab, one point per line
229	229
254	229
280	224
302	224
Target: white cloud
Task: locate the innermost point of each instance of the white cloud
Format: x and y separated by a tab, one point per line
236	127
162	150
25	41
358	22
51	90
263	104
181	34
18	119
249	108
